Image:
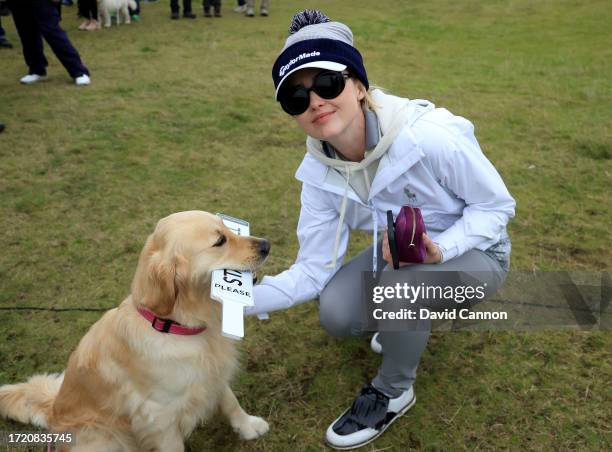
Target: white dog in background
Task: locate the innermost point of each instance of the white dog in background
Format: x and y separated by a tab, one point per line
120	7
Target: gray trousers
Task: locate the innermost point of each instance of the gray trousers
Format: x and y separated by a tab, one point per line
264	4
340	309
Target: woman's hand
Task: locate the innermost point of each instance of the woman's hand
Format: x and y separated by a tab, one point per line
434	255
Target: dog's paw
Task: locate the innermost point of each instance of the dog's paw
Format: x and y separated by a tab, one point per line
252	427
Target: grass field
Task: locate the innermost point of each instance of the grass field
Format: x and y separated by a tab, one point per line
181	116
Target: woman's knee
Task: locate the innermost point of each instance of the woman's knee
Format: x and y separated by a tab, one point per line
336	315
340	302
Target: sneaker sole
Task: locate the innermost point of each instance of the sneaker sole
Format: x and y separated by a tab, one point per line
355	446
33	83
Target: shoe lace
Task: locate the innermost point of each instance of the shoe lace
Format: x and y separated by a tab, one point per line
370	408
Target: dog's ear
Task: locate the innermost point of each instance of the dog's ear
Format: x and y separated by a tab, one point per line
158	280
160	294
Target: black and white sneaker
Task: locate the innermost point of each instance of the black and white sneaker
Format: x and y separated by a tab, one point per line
369	416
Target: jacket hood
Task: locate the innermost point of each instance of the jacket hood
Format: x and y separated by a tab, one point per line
393	114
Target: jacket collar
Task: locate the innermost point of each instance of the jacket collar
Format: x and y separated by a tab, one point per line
401	156
397	148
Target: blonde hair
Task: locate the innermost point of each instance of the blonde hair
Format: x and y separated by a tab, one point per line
367	102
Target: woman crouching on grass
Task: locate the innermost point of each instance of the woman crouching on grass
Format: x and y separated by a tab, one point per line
369	152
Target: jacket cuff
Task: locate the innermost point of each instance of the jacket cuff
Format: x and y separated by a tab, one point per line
449	251
267	298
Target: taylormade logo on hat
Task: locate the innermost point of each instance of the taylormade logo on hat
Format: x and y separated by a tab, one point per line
313	39
300	57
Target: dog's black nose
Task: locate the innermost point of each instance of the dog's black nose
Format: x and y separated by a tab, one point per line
264	247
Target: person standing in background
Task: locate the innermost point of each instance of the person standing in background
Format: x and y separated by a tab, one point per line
4	43
38	19
88	10
265	5
216	4
174	7
240	6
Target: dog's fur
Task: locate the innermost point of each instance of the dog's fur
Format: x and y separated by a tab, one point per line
120	7
130	387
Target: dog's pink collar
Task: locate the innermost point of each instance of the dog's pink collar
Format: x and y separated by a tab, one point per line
167	325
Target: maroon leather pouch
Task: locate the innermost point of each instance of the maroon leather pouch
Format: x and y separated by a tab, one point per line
406	236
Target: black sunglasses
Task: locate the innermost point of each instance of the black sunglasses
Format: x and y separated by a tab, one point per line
327	84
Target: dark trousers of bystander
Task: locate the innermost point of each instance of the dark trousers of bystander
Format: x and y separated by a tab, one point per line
88	9
4	43
216	4
38	19
174	6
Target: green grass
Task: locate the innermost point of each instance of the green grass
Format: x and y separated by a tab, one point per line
181	116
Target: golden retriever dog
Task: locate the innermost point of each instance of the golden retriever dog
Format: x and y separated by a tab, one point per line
128	385
119	7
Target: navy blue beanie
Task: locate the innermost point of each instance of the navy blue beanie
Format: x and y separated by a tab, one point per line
314	41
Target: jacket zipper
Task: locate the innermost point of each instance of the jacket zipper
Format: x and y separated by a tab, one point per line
374	237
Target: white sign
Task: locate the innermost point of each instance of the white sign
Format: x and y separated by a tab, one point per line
233	288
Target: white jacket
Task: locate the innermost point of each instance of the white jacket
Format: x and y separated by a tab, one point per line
434	162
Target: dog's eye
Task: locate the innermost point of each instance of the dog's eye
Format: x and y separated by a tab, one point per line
221	241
